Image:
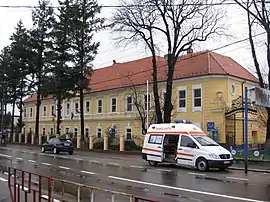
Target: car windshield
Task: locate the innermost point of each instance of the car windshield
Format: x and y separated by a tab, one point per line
204	140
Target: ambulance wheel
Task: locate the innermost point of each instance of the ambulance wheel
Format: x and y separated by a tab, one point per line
202	164
152	163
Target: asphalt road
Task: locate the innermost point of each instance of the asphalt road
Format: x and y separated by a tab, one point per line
130	174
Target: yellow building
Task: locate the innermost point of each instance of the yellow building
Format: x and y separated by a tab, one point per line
206	85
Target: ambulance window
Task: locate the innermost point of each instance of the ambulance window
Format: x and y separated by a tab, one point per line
185	140
155	139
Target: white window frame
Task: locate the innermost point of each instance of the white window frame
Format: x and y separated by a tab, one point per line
101	106
182	109
67	109
51	131
44	107
126	133
53	112
196	109
111	106
31	112
88	131
25	112
100	132
85	103
66	129
149	99
43	130
76	111
127	104
74	131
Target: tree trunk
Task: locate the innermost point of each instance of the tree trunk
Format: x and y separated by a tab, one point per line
155	91
82	115
37	110
12	116
168	107
59	118
21	107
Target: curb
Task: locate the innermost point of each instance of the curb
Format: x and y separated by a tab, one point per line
250	169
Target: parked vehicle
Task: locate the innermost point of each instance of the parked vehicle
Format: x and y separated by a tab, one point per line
57	145
184	144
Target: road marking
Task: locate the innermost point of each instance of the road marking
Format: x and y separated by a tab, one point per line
66	168
3	179
4	155
47	198
132	166
185	189
78	159
87	172
237	178
94	161
46	164
197	174
32	161
113	164
166	170
20	159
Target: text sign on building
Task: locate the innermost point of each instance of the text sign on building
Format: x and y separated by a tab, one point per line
260	96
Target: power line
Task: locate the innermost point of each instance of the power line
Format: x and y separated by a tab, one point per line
161	66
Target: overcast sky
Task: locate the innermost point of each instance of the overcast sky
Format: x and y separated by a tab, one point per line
108	51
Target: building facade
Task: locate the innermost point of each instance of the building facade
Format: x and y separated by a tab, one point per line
207	88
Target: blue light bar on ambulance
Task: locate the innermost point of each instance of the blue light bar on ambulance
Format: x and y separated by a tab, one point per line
183	121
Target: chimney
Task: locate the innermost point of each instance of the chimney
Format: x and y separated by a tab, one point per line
114	61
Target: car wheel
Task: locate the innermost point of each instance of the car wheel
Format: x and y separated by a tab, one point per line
42	149
153	163
202	164
70	152
55	150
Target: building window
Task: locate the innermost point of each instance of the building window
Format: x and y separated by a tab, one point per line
67	130
87	107
129	103
44	111
197	97
53	110
25	110
113	104
145	102
31	112
43	131
99	106
76	107
128	133
87	132
23	130
75	132
99	132
52	131
182	99
112	132
67	109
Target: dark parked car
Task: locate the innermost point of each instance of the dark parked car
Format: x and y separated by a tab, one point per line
58	145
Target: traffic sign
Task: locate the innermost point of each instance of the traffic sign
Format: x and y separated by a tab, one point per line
210	125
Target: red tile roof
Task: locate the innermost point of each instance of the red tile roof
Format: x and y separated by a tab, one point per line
137	72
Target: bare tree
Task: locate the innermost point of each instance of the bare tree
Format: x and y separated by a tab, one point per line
258	14
181	23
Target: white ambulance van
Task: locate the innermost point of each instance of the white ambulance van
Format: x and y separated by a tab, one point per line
184	144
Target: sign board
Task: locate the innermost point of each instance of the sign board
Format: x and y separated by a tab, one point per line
260	96
233	152
256	153
210	125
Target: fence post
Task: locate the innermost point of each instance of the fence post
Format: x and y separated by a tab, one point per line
106	142
91	137
113	197
78	193
20	138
